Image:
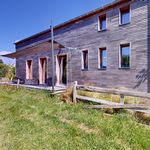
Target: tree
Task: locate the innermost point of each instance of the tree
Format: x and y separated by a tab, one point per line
3	70
10	74
1	61
7	71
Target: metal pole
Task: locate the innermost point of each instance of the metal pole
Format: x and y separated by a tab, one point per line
52	44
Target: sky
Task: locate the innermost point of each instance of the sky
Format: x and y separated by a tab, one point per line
22	18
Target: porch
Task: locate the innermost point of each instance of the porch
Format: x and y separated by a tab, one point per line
58	89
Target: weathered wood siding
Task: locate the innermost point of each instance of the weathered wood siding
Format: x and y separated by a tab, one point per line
84	35
148	56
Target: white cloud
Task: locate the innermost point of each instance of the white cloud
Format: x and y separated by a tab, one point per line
5	59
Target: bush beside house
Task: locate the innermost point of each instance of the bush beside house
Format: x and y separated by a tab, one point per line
6	71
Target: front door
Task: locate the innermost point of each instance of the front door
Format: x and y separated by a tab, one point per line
42	71
62	69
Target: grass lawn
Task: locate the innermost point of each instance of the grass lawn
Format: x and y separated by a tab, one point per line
32	120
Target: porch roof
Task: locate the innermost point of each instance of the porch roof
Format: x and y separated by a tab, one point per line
30	51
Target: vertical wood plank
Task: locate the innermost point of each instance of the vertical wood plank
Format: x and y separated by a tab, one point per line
75	92
121	99
18	82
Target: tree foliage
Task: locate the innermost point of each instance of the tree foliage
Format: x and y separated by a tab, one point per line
1	61
7	71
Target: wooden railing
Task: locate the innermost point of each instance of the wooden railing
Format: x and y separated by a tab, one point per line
122	93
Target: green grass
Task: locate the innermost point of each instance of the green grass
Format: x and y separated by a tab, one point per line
31	119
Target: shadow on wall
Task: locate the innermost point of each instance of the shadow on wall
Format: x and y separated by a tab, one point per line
141	77
49	81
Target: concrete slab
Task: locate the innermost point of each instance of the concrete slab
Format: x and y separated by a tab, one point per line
39	87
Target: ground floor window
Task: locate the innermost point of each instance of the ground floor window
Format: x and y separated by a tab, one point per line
85	60
102	58
125	56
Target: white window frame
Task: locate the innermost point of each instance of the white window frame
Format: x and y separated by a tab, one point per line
122	44
99	22
120	17
99	58
82	62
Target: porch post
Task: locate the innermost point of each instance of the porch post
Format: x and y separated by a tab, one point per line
52	44
75	92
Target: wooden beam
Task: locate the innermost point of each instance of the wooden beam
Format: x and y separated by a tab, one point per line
75	92
125	106
18	82
100	101
114	91
142	111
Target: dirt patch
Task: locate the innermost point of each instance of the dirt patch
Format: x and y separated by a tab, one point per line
66	121
87	129
81	126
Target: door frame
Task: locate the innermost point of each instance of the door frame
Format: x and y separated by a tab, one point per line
58	69
27	70
46	69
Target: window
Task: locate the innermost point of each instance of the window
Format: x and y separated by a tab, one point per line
125	56
29	69
125	15
85	60
102	23
102	58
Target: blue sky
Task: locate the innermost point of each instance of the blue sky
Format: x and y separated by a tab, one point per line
22	18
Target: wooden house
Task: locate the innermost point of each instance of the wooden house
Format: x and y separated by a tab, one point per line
107	47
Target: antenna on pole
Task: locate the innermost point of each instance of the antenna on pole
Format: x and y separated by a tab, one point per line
52	47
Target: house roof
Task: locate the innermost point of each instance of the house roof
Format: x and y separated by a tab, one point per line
84	16
31	50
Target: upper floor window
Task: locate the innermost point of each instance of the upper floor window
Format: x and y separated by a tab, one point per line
125	56
102	24
85	60
102	58
125	15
